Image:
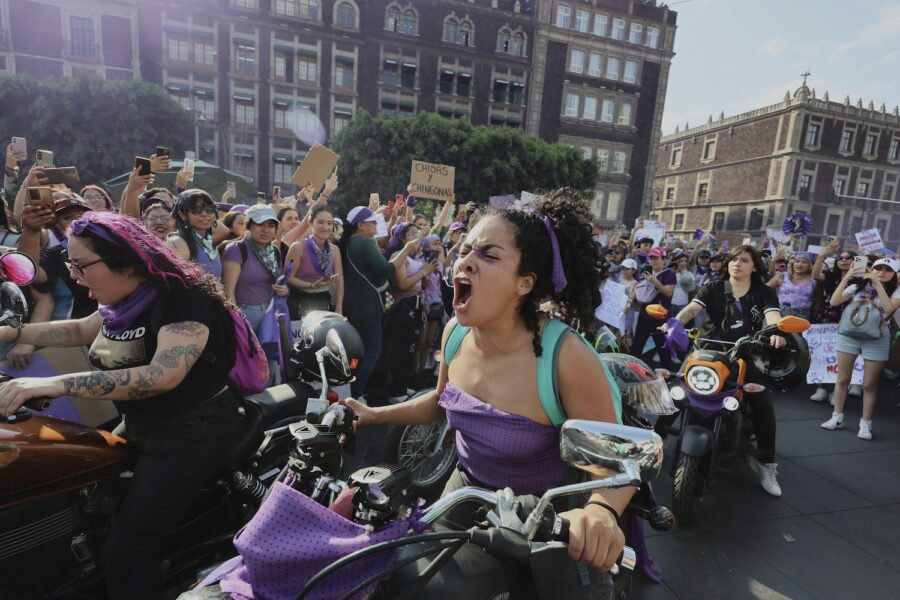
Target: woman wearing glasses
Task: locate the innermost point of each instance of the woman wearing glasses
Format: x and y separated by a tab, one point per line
159	220
199	231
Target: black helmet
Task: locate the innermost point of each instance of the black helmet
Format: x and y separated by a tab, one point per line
645	394
343	348
785	367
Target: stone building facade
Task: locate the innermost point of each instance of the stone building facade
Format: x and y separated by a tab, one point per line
837	161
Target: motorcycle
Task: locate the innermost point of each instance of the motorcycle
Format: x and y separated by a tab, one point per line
715	425
62	481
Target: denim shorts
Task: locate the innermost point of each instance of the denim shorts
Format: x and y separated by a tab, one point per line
878	349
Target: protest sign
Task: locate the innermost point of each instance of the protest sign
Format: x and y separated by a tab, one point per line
775	234
655	233
527	197
813	249
431	180
380	226
501	201
822	342
614	301
318	164
869	241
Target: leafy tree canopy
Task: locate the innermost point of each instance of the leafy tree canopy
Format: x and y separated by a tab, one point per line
376	154
95	124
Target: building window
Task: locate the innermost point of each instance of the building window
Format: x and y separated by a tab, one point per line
805	181
882	225
178	50
812	135
582	17
184	101
709	149
83	42
603	160
618	29
282	172
702	191
630	75
392	19
635	33
614	208
679	222
572	101
306	68
451	30
204	53
390	74
601	22
718	221
408	75
618	165
862	189
675	161
576	61
251	4
670	194
563	17
612	68
280	65
282	118
245	58
846	141
305	118
304	9
869	146
341	120
244	113
463	84
517	93
625	113
832	225
608	112
501	90
504	40
410	25
345	15
595	64
590	108
465	37
894	149
207	107
839	185
518	45
652	40
343	73
888	192
586	152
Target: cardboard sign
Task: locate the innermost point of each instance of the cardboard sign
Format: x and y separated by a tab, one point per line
822	341
431	180
869	241
501	201
654	233
612	309
381	229
318	164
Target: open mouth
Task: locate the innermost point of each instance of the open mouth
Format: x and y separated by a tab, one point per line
462	293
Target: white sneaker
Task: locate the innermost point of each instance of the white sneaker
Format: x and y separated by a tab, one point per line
855	390
819	396
835	422
865	430
768	476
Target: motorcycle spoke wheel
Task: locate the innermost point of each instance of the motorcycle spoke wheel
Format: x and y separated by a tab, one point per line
415	453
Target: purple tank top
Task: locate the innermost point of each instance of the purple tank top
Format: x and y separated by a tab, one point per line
306	271
413	266
799	295
501	449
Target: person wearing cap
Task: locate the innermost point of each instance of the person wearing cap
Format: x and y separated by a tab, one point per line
656	286
367	274
865	289
686	282
700	262
796	287
198	230
252	267
627	277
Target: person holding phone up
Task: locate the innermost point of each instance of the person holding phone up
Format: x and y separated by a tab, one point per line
317	265
867	291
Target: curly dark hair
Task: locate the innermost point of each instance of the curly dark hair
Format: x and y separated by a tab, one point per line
571	218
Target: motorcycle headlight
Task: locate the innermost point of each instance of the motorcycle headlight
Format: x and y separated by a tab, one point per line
703	380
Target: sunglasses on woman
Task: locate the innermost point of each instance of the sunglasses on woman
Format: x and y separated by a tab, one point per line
206	208
845	257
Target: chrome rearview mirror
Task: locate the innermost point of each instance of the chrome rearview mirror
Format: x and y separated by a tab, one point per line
335	347
597	447
17	268
13	305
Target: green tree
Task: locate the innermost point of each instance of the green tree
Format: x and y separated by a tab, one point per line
95	124
376	153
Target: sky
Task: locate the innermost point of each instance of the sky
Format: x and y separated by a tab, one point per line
739	55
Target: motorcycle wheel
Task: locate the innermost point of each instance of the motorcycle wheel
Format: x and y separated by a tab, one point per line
410	446
687	491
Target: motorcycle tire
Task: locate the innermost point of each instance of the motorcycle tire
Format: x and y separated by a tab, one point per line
688	489
410	445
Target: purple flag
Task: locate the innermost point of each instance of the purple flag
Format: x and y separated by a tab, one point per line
698	234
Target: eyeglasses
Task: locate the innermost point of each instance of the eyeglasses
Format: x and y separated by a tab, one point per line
93	197
158	219
197	210
78	270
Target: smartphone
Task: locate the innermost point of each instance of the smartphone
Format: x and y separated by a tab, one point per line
19	145
143	165
276	191
860	261
189	168
399	198
40	196
832	239
161	151
64	175
44	158
260	197
230	186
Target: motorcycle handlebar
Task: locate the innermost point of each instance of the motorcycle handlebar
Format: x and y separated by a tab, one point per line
38	404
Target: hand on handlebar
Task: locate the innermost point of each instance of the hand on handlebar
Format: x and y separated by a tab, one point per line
364	414
594	537
777	341
16	392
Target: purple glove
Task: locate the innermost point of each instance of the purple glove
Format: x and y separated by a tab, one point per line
410	201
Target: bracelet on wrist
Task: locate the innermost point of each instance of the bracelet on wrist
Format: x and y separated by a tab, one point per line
614	512
18	329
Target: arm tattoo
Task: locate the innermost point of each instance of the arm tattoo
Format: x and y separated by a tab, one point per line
185	328
145	382
58	336
171	358
92	384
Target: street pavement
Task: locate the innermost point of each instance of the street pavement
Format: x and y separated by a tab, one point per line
833	534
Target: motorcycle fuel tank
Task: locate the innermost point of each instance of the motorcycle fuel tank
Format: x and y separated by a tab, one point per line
41	456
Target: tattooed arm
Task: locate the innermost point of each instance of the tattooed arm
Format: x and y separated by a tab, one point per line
57	334
179	345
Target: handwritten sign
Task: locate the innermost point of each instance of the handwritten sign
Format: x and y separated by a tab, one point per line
869	241
431	180
612	309
822	342
654	233
775	234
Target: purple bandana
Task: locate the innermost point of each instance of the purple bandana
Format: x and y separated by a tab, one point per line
321	259
559	275
119	317
79	226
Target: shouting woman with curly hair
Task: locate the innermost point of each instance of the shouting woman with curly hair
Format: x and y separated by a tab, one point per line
159	347
511	261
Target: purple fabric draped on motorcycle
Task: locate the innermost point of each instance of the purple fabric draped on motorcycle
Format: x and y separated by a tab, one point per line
710	405
290	539
676	337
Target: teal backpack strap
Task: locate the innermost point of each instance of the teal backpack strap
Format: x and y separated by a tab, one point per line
453	342
551	341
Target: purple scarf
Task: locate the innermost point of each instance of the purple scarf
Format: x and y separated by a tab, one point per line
321	259
119	317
